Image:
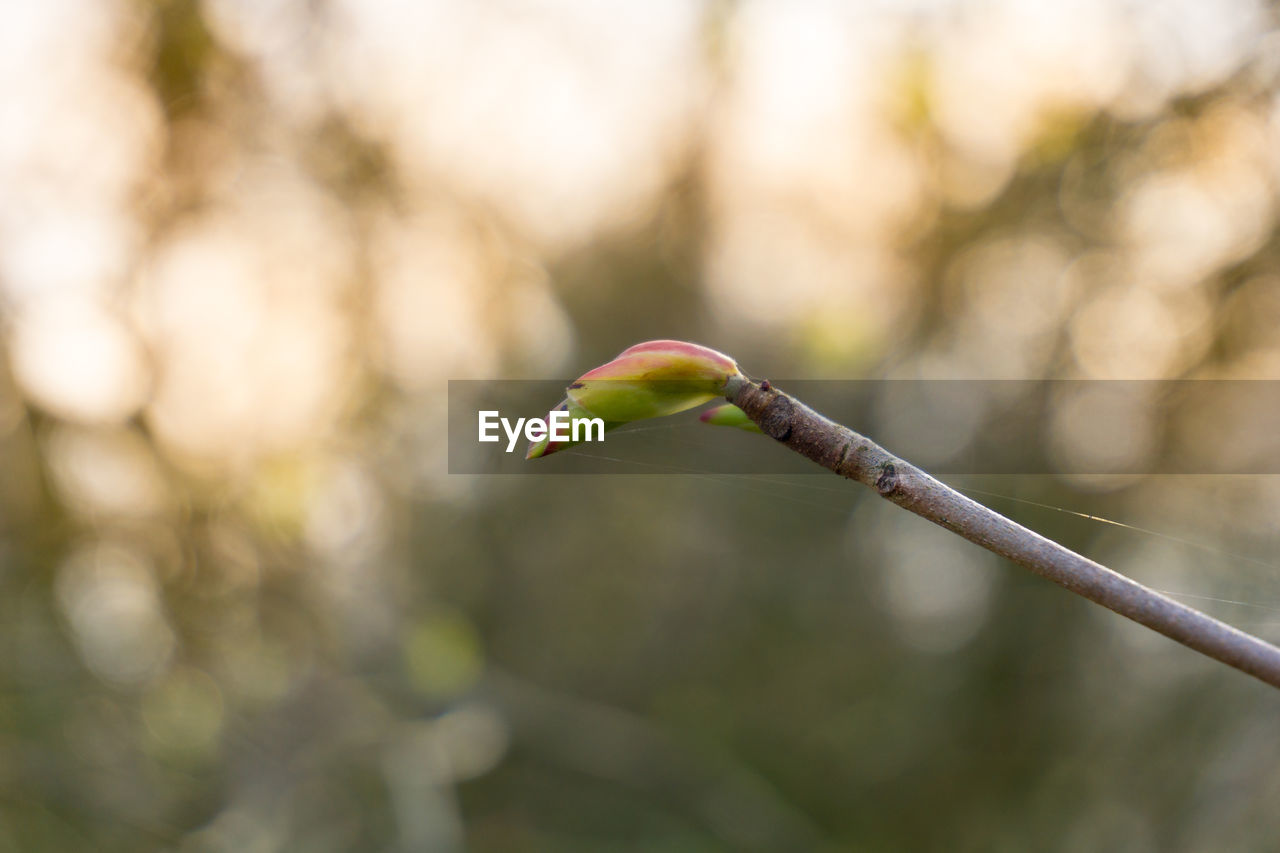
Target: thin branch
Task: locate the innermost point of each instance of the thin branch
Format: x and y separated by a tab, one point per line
851	455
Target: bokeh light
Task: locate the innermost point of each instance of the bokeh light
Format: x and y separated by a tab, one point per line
244	245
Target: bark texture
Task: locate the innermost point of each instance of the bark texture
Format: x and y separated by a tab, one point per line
840	449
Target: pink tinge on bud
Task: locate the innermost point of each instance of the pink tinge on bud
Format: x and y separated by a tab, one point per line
686	349
666	361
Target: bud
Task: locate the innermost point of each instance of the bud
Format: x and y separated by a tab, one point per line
653	379
648	380
727	414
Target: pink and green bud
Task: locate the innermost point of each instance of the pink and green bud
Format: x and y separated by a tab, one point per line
653	379
648	380
727	414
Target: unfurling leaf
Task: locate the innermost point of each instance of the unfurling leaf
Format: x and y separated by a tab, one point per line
546	446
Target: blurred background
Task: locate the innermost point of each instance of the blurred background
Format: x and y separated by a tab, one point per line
245	243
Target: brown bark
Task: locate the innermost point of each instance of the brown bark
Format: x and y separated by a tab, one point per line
851	455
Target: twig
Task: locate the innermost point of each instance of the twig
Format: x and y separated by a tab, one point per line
851	455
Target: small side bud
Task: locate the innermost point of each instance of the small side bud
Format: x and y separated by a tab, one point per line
727	414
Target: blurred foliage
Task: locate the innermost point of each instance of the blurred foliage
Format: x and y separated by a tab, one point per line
244	607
